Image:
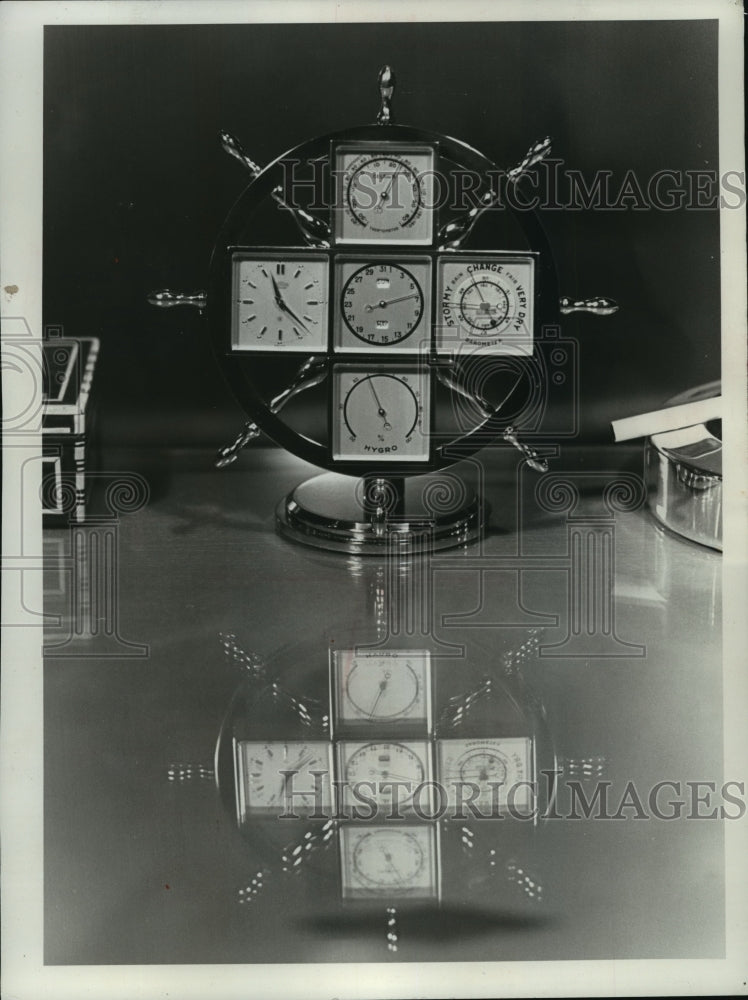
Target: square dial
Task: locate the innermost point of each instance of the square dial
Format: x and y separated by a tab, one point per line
279	301
395	862
374	689
386	777
282	776
494	774
381	413
485	303
382	304
384	193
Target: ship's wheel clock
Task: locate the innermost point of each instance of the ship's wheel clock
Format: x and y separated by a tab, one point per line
351	308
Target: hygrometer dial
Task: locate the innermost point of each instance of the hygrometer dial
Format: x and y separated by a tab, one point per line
381	414
395	862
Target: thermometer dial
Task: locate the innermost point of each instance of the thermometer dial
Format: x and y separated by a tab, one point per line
381	414
384	194
372	688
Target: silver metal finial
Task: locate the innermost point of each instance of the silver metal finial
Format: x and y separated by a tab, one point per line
386	90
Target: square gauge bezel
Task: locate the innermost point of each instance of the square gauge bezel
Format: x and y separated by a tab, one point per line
413	686
424	884
363	322
343	434
248	805
508	285
375	752
312	316
516	768
416	225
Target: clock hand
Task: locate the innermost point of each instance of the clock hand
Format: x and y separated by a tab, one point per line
381	410
280	303
388	859
370	307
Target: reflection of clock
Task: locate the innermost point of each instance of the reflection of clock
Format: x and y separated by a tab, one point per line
279	301
381	414
383	304
486	303
494	774
372	687
384	193
372	770
394	862
277	776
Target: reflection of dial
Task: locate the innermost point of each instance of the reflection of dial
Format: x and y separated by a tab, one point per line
483	766
280	303
388	858
487	303
382	303
381	766
384	195
490	772
380	415
373	688
396	862
277	776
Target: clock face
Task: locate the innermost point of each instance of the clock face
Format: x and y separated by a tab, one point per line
383	304
277	776
485	304
374	688
370	771
381	414
384	193
387	861
493	774
279	302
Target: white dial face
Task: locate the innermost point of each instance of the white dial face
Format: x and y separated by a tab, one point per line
278	776
373	769
381	414
387	861
374	688
383	305
384	194
493	774
279	302
485	305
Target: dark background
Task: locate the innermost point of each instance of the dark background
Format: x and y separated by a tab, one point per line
136	185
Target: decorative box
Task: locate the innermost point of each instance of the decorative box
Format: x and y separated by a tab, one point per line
67	427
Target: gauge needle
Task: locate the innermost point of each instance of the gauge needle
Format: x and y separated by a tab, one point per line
388	859
280	303
382	686
386	191
370	307
477	286
381	410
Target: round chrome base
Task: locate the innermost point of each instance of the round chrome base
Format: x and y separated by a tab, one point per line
380	517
